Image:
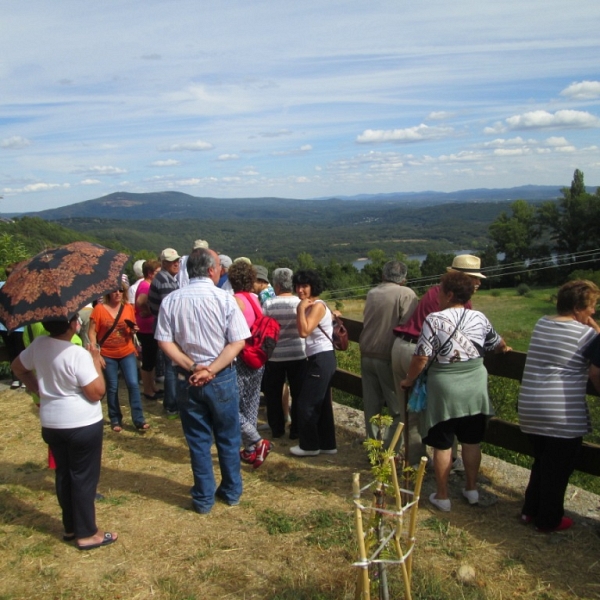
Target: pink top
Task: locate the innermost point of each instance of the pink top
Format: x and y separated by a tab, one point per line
146	324
249	313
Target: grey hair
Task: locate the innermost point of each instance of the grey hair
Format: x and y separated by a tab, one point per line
394	271
199	262
282	278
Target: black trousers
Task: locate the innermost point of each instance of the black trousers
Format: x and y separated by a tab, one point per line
316	428
275	376
77	453
554	461
14	345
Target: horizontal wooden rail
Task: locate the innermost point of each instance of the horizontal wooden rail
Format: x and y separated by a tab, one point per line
499	433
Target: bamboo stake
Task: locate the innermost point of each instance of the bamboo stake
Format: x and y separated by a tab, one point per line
363	588
413	514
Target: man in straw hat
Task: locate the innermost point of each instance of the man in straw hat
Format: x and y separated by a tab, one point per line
406	340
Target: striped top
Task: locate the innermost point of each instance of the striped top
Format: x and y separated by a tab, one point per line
552	397
290	346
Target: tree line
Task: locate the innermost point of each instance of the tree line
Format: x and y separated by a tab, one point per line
541	244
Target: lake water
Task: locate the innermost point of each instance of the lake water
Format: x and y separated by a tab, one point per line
361	262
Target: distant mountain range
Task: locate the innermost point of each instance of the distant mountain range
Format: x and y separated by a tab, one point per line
179	206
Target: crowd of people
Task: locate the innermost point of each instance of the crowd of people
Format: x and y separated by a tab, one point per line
198	322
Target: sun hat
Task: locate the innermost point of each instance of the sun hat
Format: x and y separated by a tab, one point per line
137	268
262	273
200	244
169	254
225	261
468	264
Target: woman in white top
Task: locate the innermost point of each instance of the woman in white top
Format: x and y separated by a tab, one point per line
316	428
69	382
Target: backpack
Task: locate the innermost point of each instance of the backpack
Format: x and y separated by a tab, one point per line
264	335
339	337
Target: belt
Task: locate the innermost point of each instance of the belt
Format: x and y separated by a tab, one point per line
409	338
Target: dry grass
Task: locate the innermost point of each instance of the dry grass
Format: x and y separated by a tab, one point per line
290	539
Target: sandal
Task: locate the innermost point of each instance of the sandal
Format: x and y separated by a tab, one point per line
108	538
142	427
116	427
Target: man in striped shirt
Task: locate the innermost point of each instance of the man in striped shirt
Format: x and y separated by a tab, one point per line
201	329
163	283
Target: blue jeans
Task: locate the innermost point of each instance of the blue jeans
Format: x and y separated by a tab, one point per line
170	385
205	411
128	366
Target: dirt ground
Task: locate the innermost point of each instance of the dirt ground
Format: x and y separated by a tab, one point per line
290	538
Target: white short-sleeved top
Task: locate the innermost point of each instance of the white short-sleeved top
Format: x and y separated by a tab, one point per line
62	370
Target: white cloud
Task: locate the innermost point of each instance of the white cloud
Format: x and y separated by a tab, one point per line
541	119
410	134
249	172
90	182
36	187
275	134
439	115
510	151
495	129
584	90
16	142
556	141
99	171
502	143
165	163
187	146
296	151
225	157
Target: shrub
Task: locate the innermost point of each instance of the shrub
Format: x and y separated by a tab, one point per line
523	289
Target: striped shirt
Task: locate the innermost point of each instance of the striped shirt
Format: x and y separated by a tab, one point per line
162	285
290	345
552	397
202	319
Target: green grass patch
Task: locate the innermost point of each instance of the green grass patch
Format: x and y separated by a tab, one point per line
514	316
277	522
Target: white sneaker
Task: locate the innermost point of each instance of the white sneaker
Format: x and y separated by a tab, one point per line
297	451
15	385
443	505
458	465
332	451
471	495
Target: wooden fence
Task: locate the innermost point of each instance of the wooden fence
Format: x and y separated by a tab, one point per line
499	433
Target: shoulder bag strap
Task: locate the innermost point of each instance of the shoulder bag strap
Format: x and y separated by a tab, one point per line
448	340
257	313
332	318
112	328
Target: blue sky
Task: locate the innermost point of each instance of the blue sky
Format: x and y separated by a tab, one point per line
294	99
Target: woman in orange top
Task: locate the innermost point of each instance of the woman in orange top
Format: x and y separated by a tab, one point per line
112	325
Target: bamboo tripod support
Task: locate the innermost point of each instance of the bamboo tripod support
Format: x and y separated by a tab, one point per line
397	542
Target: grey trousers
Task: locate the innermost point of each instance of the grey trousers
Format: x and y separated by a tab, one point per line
402	353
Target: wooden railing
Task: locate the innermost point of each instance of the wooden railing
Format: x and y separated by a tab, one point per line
499	433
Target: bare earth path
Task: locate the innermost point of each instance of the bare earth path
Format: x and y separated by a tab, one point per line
291	537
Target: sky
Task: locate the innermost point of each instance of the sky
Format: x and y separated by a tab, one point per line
294	99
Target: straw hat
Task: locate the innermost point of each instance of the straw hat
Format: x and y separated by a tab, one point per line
467	263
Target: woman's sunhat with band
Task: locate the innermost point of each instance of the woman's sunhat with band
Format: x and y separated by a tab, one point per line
468	264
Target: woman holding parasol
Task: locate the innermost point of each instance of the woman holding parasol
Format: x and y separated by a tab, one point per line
69	381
